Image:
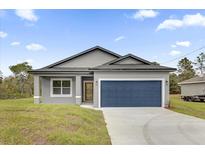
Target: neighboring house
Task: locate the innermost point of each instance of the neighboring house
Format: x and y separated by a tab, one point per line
104	78
193	87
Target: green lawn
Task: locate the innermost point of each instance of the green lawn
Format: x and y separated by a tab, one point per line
196	109
22	122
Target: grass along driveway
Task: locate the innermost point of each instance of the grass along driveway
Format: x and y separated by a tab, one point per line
191	108
22	122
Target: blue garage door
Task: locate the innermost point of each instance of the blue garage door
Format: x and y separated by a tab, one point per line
131	93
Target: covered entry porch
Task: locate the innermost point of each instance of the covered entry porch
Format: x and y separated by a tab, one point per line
66	88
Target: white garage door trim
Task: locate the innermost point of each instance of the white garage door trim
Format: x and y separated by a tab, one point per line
133	79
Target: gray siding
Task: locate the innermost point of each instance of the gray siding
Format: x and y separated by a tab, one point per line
91	59
45	82
129	75
129	61
46	98
36	89
193	89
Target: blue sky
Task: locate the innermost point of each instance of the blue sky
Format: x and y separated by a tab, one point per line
42	37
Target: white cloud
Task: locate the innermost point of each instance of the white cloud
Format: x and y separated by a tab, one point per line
35	47
186	21
3	34
27	15
141	14
15	43
194	20
183	43
170	24
119	38
174	53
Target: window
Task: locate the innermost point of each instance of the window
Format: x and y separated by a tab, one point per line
61	87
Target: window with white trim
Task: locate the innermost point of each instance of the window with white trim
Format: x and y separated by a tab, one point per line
61	87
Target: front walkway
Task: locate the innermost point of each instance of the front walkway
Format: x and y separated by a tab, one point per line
89	106
153	126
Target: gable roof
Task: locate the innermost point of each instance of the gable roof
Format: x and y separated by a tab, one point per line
111	65
128	56
196	79
82	53
146	66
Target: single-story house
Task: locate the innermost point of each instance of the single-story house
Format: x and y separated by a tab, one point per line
192	87
104	78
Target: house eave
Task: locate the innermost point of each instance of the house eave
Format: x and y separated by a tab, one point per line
131	70
185	83
61	72
90	71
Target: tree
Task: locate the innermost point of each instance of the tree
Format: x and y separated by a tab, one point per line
185	69
200	63
9	88
1	76
21	73
155	63
173	84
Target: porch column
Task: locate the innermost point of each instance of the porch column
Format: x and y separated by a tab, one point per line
78	89
36	89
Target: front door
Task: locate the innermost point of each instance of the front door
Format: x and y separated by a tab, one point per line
88	91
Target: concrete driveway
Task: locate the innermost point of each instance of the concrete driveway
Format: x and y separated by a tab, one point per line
153	126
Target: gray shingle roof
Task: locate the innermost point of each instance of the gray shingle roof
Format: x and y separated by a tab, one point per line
133	67
196	79
60	69
107	66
